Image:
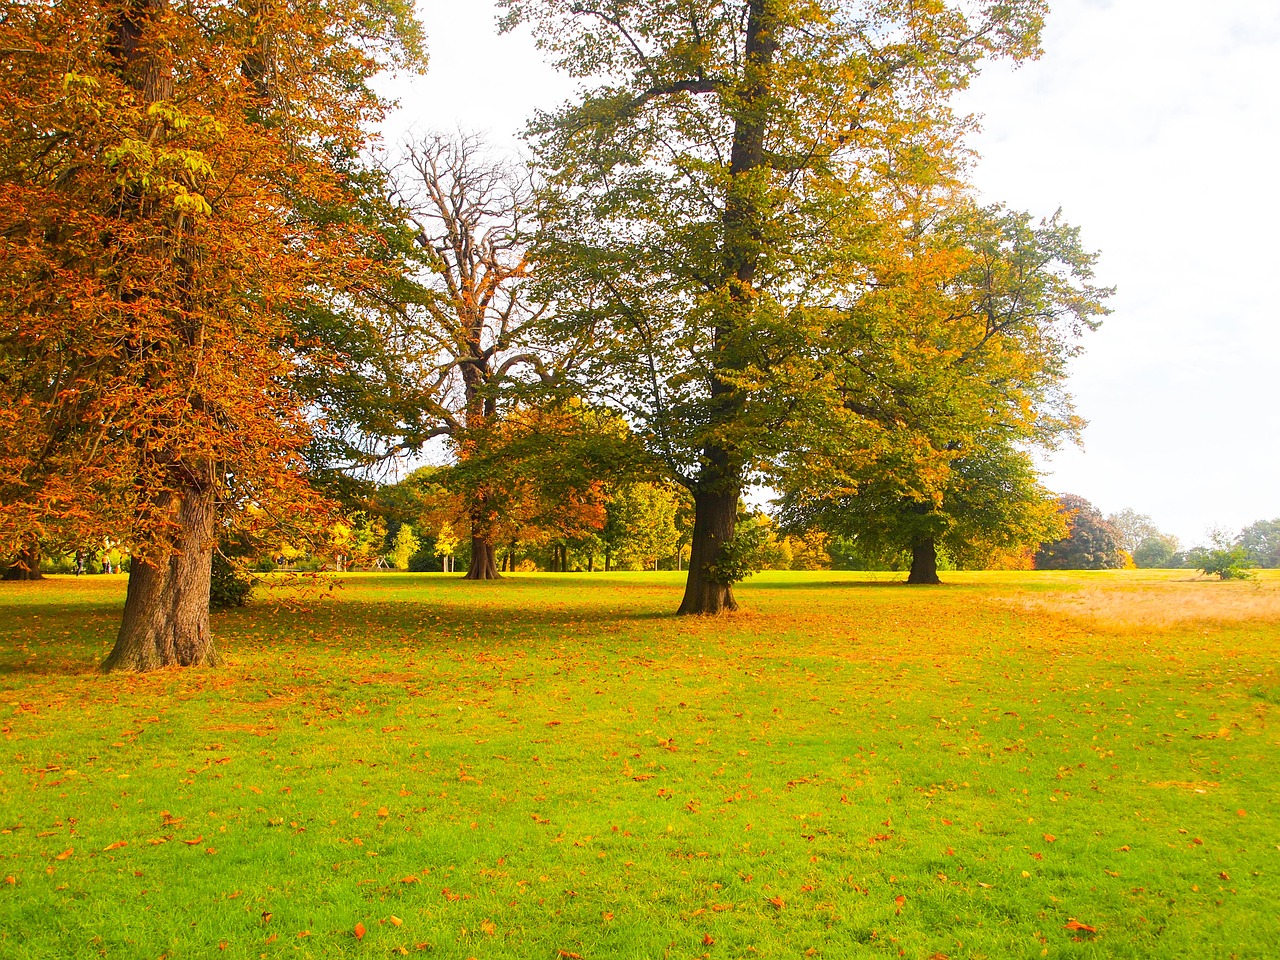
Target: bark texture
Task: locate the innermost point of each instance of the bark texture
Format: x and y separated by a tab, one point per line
484	561
26	566
715	515
924	562
166	607
719	483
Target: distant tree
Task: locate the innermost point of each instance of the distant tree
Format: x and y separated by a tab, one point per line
1090	543
473	341
1156	552
1224	558
1132	528
403	547
640	527
1261	543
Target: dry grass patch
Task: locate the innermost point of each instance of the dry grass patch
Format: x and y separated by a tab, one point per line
1171	601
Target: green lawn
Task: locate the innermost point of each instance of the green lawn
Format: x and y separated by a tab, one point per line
552	766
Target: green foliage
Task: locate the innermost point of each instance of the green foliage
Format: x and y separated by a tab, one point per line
1156	552
230	585
1090	543
748	551
1226	563
1261	541
641	524
404	545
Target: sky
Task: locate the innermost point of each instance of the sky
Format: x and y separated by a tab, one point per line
1155	126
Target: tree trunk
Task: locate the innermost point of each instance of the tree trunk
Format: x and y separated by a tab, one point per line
26	566
924	562
484	561
166	607
714	517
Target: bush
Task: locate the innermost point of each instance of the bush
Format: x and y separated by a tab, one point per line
229	586
1227	563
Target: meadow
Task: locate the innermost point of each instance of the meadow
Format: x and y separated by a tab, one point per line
553	766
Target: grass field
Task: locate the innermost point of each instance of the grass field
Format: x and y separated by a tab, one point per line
1011	765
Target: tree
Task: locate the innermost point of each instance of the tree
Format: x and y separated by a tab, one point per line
474	343
710	198
1090	543
158	165
1133	528
641	525
1261	543
1156	552
955	368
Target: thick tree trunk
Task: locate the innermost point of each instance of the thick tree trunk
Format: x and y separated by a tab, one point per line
26	566
714	517
924	562
166	607
484	561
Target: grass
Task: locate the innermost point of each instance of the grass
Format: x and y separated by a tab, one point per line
551	767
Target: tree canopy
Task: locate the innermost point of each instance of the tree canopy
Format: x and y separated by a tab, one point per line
713	194
158	164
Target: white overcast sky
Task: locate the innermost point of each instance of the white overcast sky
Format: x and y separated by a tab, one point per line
1155	126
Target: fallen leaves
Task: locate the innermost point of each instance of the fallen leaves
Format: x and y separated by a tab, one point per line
116	846
359	931
1075	925
192	843
65	853
776	901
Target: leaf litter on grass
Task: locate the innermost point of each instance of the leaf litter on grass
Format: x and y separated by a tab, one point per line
659	771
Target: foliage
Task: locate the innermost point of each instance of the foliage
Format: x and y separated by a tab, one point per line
957	367
1090	543
230	584
371	701
1261	542
157	168
1132	529
717	191
403	547
1155	552
1225	558
641	524
752	549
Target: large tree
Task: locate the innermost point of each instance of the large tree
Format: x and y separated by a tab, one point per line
1090	543
954	369
157	162
474	341
708	199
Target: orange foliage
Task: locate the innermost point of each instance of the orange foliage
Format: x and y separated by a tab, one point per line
159	168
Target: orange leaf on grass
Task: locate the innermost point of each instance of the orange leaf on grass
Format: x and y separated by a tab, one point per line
65	853
117	845
192	843
1077	925
359	931
568	955
777	902
708	939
